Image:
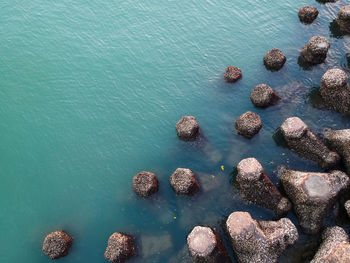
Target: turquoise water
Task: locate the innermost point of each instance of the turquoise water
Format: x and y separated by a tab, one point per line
90	92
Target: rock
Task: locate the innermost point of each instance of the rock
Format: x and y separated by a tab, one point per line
313	195
335	247
335	91
145	184
263	95
187	128
205	246
57	244
259	241
248	124
120	248
305	143
347	207
232	74
274	59
307	14
315	51
256	187
344	19
184	182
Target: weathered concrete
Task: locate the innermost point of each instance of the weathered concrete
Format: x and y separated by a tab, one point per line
120	248
307	14
232	74
315	51
263	95
248	124
145	184
274	59
57	244
187	128
184	182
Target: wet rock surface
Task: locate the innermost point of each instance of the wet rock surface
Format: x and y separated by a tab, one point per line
57	244
257	188
305	143
263	95
248	124
313	195
187	128
120	248
335	247
315	51
347	207
184	182
145	184
232	74
307	14
274	59
343	19
259	241
205	246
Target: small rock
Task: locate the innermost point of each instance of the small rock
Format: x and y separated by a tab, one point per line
274	59
315	51
259	241
263	95
307	14
313	195
347	207
187	128
205	246
184	182
120	248
145	184
57	244
232	74
305	143
248	124
344	19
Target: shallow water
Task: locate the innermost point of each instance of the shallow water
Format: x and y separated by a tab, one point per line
90	94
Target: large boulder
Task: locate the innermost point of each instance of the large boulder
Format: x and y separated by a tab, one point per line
248	124
274	59
145	184
305	143
335	91
232	74
263	95
344	19
187	128
205	246
184	182
259	241
313	195
57	244
257	188
120	248
315	51
335	247
307	14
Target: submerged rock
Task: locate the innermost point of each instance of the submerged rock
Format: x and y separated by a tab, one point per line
187	128
258	188
307	14
120	248
205	246
313	195
274	59
335	247
335	91
155	245
57	244
145	184
344	19
248	124
232	74
263	95
184	182
305	143
259	241
315	51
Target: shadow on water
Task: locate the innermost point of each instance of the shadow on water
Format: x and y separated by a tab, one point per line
335	30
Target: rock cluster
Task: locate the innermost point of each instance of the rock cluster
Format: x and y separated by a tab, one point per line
205	246
232	74
120	248
57	244
259	241
257	188
305	143
184	182
313	194
263	95
335	90
248	124
335	247
343	19
307	14
145	184
315	51
274	59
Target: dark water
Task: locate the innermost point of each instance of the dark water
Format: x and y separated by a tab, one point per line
90	94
